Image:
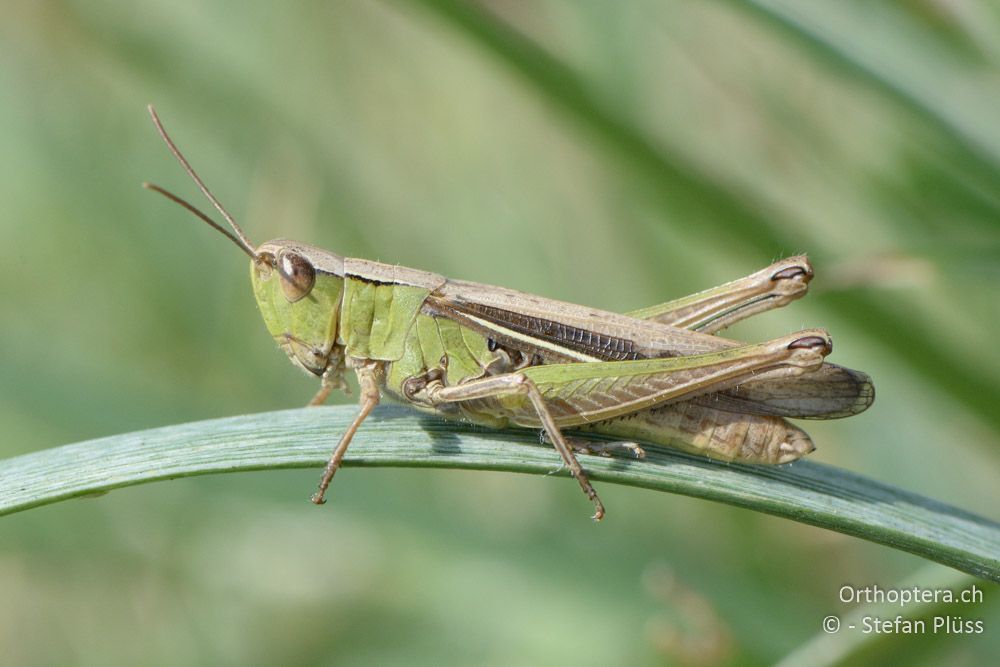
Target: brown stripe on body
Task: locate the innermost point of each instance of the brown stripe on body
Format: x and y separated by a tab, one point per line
578	339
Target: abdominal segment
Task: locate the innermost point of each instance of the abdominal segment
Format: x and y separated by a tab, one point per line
718	434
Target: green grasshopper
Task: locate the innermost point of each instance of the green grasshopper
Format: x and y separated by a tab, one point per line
495	356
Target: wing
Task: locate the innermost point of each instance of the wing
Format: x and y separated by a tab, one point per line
831	392
562	329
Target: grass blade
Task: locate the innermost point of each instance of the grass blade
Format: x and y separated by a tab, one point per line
808	492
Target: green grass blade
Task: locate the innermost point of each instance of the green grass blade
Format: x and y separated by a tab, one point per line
811	493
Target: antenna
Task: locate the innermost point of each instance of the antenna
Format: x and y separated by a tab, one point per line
239	238
191	207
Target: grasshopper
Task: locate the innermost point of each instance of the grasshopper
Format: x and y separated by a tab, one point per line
495	356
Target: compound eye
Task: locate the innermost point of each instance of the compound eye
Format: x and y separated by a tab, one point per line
297	276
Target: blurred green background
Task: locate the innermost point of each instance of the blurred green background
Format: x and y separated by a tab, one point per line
611	154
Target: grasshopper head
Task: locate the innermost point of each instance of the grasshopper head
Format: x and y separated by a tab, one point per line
298	289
